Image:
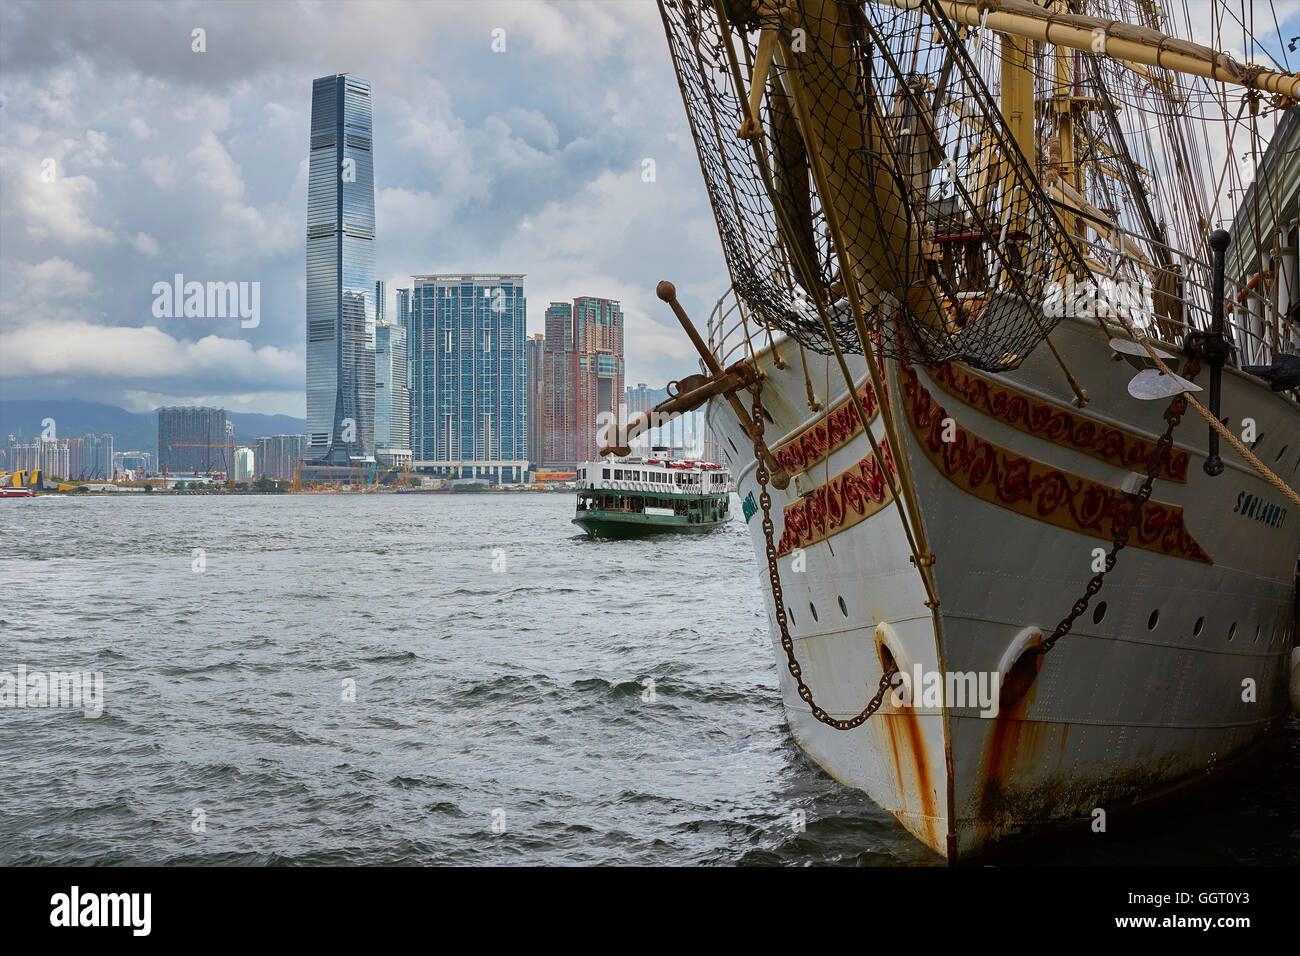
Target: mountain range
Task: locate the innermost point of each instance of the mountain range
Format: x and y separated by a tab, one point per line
131	431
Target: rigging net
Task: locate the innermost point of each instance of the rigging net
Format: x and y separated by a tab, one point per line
951	241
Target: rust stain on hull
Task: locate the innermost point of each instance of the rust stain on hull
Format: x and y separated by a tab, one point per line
907	748
1013	737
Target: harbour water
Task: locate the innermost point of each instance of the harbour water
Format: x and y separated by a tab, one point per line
522	694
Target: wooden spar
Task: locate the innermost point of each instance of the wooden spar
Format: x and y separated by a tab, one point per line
1018	102
881	238
1068	196
1067	162
1120	41
1018	112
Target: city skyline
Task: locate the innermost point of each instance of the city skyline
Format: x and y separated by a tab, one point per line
564	175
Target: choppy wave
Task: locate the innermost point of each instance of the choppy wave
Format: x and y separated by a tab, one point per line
346	682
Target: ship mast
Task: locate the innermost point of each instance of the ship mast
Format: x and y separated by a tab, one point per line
1120	41
932	174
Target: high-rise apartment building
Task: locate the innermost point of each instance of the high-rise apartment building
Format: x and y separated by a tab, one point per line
341	285
392	395
469	393
51	456
103	460
536	365
584	376
559	377
277	456
191	440
85	460
90	456
77	457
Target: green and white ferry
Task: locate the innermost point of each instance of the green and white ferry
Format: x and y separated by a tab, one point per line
631	497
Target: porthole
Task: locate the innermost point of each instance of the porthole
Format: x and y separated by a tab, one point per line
1153	620
1258	631
1200	626
790	614
1232	631
1099	612
1281	453
814	612
844	608
1255	444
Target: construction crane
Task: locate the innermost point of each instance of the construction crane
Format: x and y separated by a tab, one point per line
230	472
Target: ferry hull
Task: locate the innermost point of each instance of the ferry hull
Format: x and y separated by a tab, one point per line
628	526
1184	668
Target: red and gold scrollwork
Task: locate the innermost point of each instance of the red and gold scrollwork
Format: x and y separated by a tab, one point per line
840	503
832	431
1057	425
1037	490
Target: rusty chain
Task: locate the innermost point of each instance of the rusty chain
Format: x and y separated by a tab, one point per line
765	502
1137	501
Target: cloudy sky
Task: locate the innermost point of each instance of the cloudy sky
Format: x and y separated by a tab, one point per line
168	160
164	160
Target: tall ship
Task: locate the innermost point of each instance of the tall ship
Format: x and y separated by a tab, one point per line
630	497
1012	415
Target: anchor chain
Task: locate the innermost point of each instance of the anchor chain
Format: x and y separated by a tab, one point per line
765	503
1137	500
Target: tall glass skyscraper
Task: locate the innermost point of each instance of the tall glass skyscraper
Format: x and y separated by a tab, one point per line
469	393
341	287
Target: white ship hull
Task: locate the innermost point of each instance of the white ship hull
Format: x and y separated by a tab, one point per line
1151	694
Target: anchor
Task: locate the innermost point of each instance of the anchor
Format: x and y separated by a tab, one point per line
1283	374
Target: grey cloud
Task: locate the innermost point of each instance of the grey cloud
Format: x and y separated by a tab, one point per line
483	161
